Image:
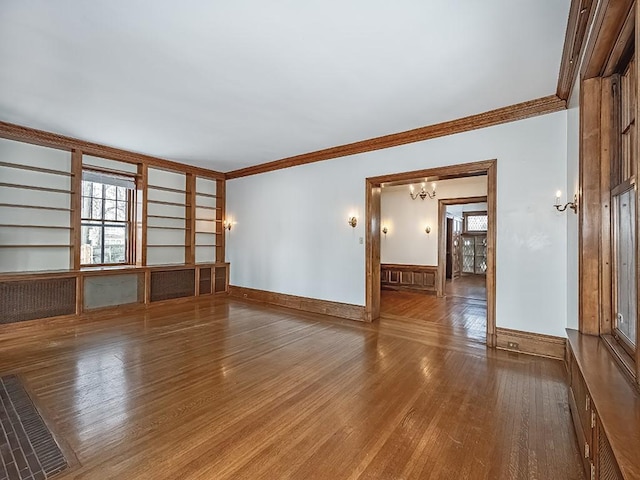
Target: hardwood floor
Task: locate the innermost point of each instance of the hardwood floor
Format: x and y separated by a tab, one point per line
451	315
226	389
467	286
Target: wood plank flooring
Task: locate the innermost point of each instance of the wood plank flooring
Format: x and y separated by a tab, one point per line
226	389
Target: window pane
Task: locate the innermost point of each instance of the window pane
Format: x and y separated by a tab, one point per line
625	263
110	192
87	188
115	244
122	194
97	190
477	223
121	211
109	209
96	209
86	207
91	244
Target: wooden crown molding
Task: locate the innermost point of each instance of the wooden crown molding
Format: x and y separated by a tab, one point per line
47	139
519	111
581	15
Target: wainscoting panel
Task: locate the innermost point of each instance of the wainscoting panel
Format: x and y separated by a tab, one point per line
408	277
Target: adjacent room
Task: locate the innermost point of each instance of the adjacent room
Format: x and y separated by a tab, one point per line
319	240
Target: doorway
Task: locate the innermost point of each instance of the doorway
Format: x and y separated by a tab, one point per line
373	190
462	258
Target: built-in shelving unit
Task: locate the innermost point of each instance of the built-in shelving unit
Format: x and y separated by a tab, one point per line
175	241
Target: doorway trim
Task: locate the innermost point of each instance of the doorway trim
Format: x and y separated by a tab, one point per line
442	235
373	188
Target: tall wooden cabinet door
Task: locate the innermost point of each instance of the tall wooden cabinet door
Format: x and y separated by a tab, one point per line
456	250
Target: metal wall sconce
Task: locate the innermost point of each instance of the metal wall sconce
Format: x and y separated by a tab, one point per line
423	193
385	230
427	230
572	205
353	221
226	225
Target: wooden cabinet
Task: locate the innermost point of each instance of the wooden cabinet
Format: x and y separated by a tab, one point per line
605	410
474	254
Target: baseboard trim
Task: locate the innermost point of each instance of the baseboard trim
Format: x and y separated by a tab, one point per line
531	343
313	305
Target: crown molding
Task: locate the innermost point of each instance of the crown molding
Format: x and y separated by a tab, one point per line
581	16
519	111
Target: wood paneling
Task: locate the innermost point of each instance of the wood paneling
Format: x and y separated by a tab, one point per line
224	389
530	343
608	23
190	220
614	402
408	277
581	14
47	139
589	212
314	305
520	111
22	309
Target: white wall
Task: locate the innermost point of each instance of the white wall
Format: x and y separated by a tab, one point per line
573	155
291	234
406	241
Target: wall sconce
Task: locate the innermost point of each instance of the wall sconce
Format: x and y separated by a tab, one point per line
572	205
353	221
423	193
385	230
427	230
226	225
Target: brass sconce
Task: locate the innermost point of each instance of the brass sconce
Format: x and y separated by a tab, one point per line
385	230
353	221
226	225
572	205
423	193
427	230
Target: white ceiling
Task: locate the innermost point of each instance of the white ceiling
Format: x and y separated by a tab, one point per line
231	83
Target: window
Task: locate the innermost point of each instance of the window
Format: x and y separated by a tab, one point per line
623	211
106	235
475	222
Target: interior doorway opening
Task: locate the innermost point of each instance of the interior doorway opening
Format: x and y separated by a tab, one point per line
431	275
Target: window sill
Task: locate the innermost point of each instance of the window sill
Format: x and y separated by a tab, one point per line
621	357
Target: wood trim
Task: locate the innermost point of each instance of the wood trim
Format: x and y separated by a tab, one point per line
607	142
589	212
19	166
608	23
190	221
75	235
442	237
48	139
313	305
531	343
221	208
372	247
581	14
519	111
372	256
